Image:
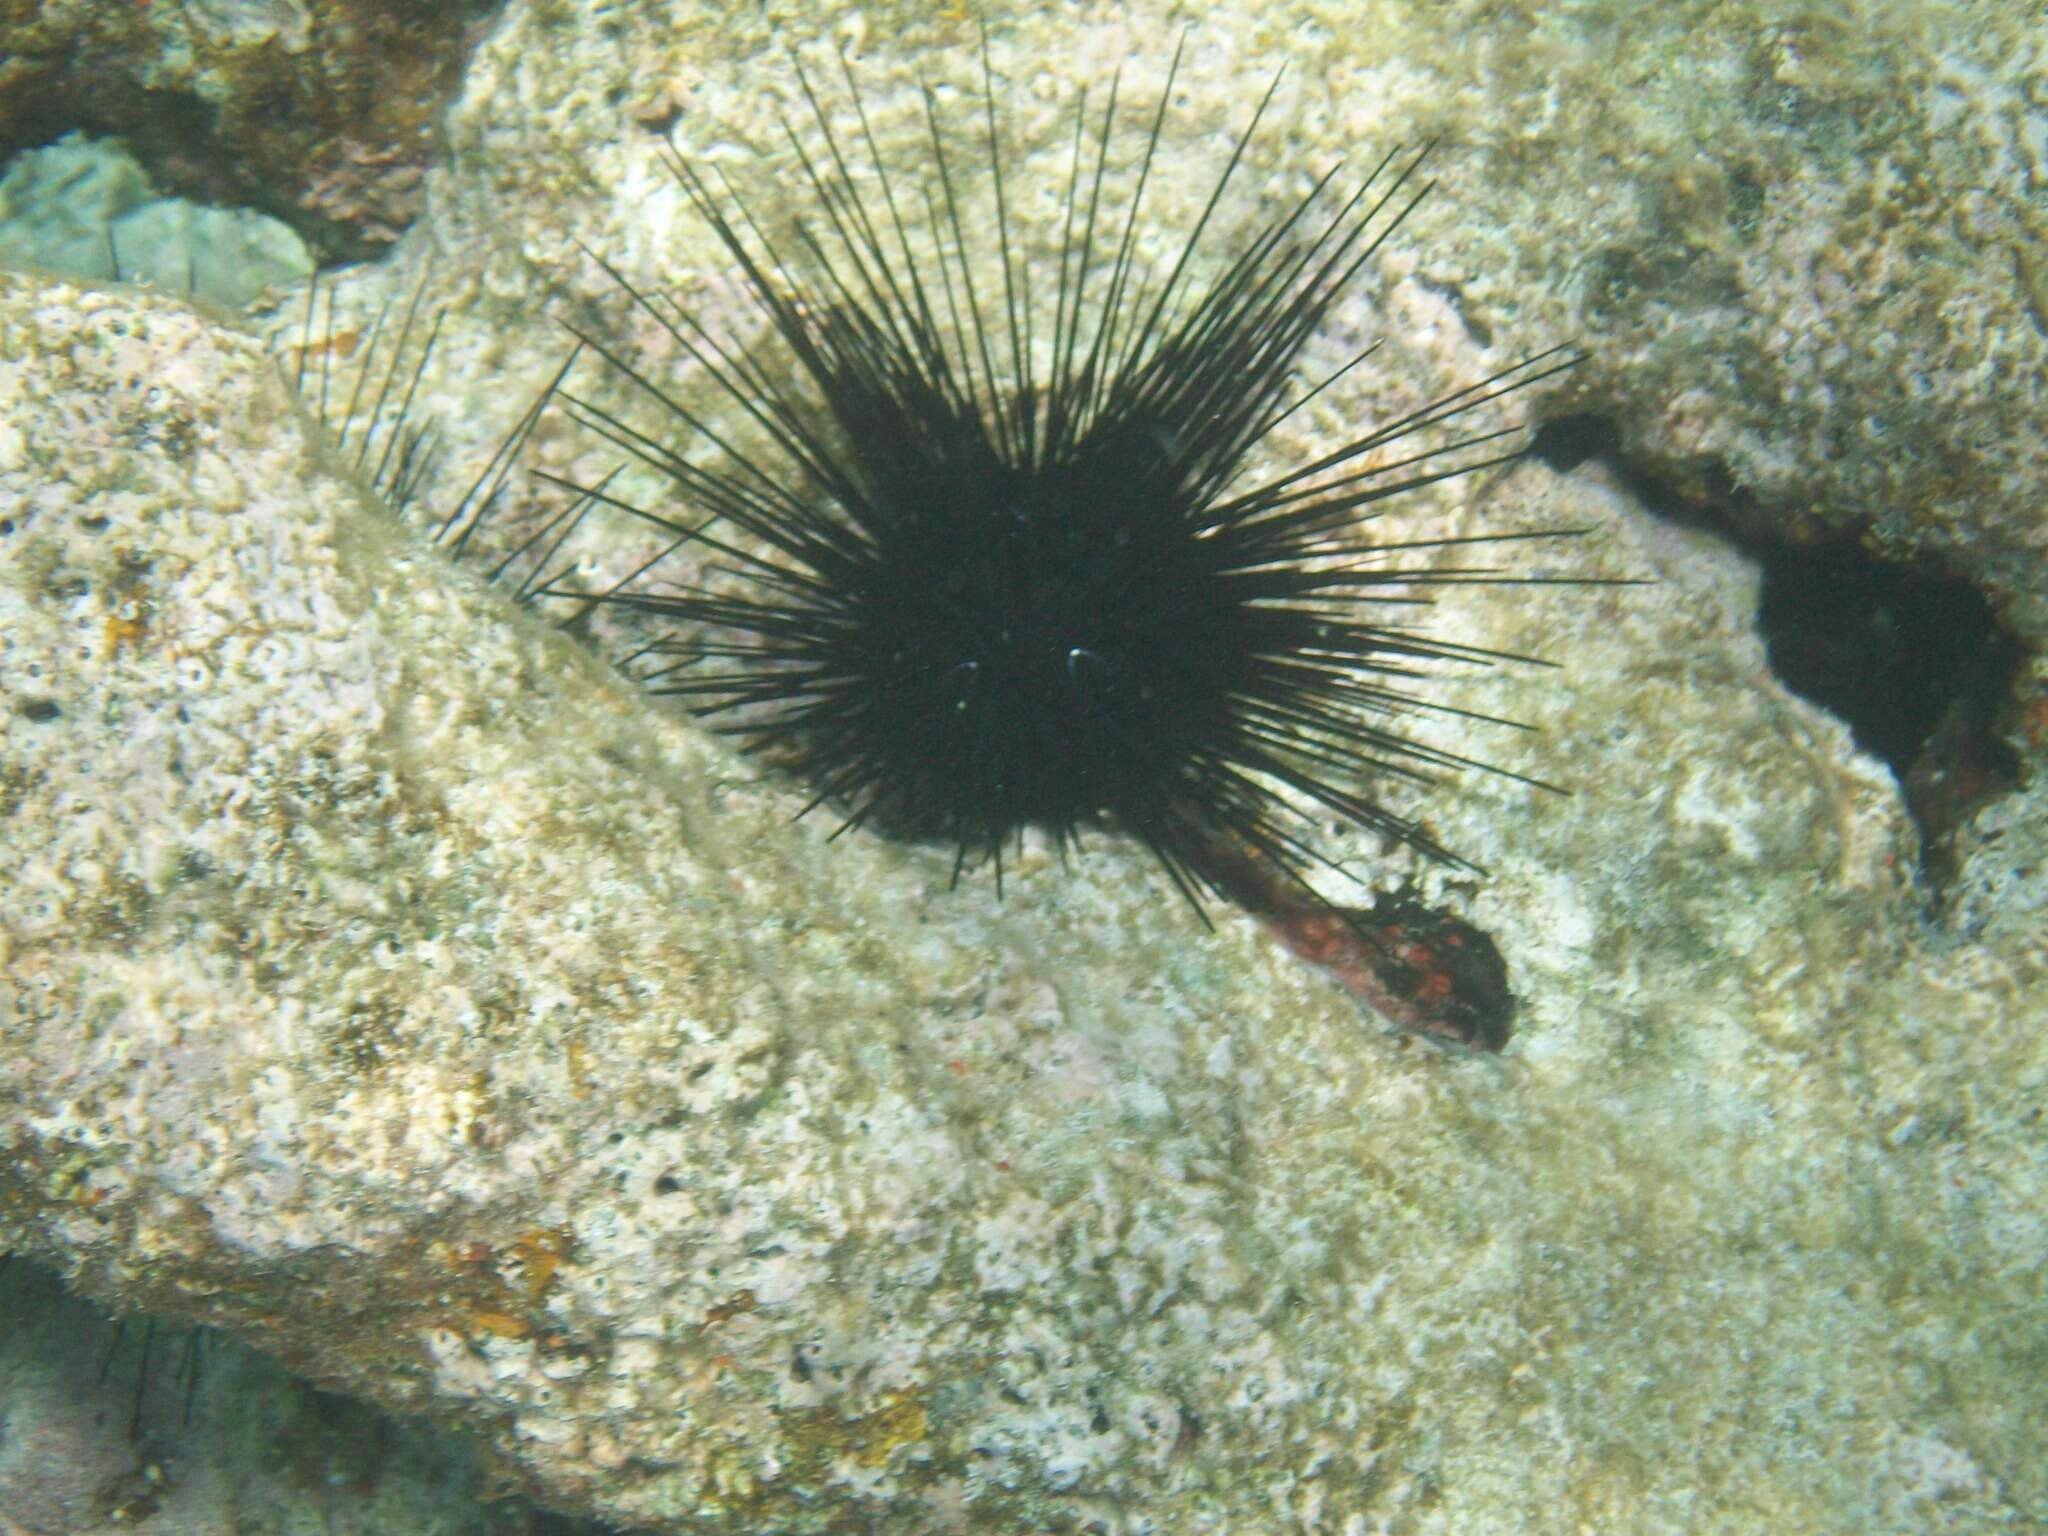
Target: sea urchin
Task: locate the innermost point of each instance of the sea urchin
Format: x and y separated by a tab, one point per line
970	561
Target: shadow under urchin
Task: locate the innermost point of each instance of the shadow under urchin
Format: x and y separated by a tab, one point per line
972	556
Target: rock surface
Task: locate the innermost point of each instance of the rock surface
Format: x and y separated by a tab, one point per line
320	115
109	1427
385	980
1804	248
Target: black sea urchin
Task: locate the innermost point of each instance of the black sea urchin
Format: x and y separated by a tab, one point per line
980	562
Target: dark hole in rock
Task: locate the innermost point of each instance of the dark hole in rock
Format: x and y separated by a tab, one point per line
1916	664
1913	660
1565	442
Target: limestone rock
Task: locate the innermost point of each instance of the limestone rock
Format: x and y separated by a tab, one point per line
322	116
386	981
109	1427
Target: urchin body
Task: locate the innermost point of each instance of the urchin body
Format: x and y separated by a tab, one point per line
977	584
1028	646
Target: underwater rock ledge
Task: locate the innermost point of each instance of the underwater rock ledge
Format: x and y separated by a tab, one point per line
388	984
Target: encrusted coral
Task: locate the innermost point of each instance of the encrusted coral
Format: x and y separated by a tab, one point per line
322	115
